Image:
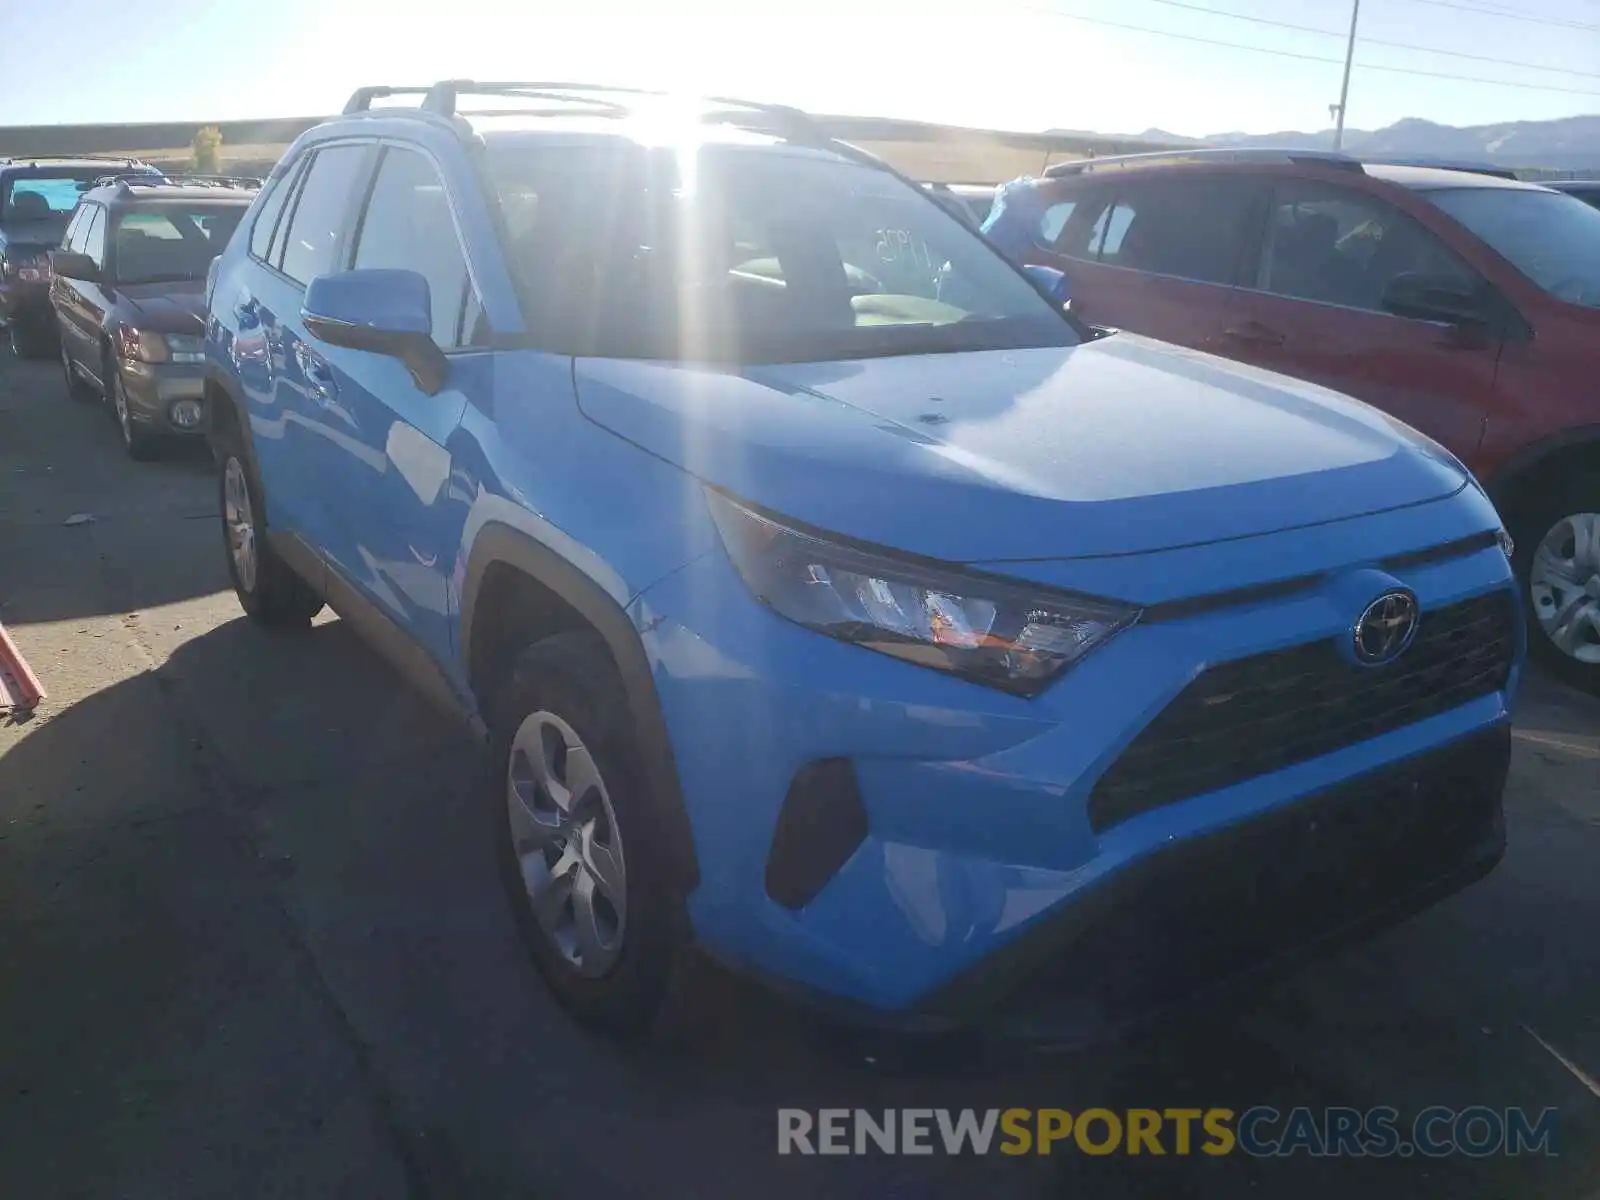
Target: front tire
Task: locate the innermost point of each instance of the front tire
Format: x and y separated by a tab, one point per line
1557	562
139	444
29	340
587	883
78	389
268	589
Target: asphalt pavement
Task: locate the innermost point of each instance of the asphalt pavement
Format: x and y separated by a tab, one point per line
253	945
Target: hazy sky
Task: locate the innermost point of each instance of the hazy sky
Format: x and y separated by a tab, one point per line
1024	64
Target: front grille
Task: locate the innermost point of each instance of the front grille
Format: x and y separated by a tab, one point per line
1245	718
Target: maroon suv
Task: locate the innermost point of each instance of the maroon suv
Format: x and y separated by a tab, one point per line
1466	305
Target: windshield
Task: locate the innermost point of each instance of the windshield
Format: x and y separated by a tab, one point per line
41	195
1551	238
171	241
751	255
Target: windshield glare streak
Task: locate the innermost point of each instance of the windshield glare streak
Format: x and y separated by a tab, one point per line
722	253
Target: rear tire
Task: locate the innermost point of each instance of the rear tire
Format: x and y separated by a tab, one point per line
587	883
1557	563
268	589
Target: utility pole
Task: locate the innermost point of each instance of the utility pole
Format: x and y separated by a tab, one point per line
1344	88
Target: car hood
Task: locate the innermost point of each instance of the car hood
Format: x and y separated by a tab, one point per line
167	307
1118	446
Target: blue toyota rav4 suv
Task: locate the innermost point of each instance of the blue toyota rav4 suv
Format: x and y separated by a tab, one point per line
832	602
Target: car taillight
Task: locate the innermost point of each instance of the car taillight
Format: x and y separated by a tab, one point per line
33	269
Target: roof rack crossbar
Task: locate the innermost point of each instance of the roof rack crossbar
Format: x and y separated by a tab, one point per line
361	99
1207	154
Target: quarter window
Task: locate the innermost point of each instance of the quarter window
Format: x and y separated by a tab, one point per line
311	246
1341	247
1054	221
267	216
72	239
407	226
94	238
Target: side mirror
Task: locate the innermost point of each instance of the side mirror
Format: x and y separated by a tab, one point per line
1435	298
71	265
380	311
1052	284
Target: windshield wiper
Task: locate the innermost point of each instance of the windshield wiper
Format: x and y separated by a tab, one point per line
183	278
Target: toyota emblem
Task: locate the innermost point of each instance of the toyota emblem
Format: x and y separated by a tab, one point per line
1385	629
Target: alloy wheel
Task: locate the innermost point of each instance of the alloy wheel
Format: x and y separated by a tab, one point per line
238	519
1564	586
568	849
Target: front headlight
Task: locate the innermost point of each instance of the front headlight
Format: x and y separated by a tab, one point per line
142	345
992	631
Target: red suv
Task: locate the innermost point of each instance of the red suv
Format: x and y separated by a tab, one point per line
1466	305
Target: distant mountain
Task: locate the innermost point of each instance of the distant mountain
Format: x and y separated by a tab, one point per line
1571	143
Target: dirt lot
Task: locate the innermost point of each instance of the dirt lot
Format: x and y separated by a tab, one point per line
253	946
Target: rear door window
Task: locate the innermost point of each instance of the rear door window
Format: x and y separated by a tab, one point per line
311	246
1186	228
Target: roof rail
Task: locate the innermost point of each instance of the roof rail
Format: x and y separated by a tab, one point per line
361	99
1203	154
442	100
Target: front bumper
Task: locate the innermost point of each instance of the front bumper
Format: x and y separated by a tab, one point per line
153	390
981	865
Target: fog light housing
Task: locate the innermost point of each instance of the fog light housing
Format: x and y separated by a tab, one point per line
185	414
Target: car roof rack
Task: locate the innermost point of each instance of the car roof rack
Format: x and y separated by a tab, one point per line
361	99
440	102
126	177
192	179
1203	154
34	159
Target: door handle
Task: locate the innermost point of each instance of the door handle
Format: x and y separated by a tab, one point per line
1253	333
320	385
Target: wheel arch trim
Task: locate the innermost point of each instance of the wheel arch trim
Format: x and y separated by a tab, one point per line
1503	480
501	545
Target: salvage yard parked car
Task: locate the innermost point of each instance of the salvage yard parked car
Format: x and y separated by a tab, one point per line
37	195
128	293
847	615
1464	304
